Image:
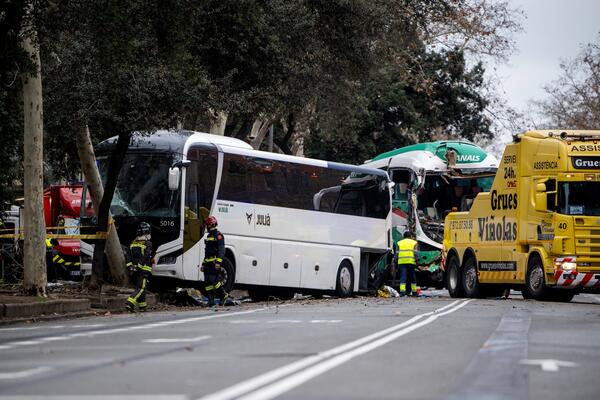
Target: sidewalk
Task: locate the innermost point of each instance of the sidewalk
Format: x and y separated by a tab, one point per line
17	308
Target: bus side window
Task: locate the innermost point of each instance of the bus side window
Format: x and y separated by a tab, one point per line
351	202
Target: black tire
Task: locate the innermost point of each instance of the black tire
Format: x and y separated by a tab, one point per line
535	282
284	294
344	283
258	293
228	274
470	281
453	278
562	295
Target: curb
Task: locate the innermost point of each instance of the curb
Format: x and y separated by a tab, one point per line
23	310
114	303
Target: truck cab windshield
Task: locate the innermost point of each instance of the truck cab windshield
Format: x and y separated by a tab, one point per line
578	198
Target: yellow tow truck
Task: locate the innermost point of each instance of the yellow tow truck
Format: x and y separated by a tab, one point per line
538	228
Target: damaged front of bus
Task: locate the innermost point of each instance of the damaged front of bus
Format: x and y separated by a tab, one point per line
432	179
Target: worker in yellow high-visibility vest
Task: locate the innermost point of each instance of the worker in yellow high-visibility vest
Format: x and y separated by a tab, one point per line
407	256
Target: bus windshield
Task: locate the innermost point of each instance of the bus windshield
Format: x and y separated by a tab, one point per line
142	187
576	198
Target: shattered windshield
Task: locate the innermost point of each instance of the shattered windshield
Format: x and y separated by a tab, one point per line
143	187
576	198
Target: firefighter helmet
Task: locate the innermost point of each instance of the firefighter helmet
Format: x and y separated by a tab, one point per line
211	222
143	229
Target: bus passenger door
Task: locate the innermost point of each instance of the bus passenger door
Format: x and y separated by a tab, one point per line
199	183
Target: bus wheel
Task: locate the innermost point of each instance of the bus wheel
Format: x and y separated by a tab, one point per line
228	274
535	286
345	279
470	281
453	279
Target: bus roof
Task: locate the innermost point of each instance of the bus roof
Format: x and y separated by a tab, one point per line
432	156
172	141
180	141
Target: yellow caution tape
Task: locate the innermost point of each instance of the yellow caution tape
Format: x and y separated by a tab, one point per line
98	235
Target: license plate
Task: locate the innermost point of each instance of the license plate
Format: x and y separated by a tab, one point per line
75	273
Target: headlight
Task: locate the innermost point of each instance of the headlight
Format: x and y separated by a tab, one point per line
569	266
566	263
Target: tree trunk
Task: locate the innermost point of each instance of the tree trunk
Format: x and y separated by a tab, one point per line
115	162
34	279
114	254
259	131
217	121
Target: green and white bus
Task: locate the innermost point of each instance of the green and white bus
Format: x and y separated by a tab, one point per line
431	179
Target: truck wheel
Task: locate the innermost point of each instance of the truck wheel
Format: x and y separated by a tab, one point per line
453	278
535	284
470	281
344	283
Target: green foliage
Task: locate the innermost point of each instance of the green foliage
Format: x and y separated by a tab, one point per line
364	76
439	98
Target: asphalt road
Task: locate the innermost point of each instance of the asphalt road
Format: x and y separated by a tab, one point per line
360	348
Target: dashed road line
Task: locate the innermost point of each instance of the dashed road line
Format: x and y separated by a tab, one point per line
23	374
68	336
100	397
283	379
176	340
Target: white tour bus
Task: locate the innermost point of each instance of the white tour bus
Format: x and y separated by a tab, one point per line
430	180
290	223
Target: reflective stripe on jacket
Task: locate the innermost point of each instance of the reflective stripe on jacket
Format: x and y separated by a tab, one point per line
406	251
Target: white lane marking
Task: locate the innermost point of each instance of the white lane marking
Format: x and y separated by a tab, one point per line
176	340
273	375
86	326
67	336
294	380
549	365
100	397
55	338
284	321
26	343
23	374
30	328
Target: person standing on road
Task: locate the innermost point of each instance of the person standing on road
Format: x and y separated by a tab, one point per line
211	265
407	256
140	254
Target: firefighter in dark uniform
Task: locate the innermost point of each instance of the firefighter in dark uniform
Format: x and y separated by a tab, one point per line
56	266
140	262
211	265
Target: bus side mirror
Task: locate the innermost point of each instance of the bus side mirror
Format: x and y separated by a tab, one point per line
540	197
174	176
175	173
